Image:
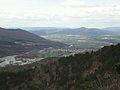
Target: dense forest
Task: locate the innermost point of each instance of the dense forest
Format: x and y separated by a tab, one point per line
98	70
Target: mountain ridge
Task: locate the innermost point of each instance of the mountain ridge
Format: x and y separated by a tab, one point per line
81	30
113	29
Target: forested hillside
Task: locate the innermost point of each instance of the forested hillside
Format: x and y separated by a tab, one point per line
17	41
98	70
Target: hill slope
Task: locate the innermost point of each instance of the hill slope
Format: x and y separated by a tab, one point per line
113	29
83	31
13	41
44	30
67	31
98	70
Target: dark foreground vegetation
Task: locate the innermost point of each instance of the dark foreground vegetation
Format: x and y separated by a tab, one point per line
98	70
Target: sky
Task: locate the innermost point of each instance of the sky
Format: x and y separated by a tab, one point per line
60	13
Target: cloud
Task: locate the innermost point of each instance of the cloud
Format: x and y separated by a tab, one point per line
86	9
75	3
67	13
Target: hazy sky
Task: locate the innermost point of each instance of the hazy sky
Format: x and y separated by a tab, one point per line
59	13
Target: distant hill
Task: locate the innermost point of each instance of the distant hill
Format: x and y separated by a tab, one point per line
83	31
114	29
67	31
98	70
13	41
38	28
43	30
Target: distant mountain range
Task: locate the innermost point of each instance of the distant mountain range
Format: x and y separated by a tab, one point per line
83	31
113	29
43	30
14	41
75	31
